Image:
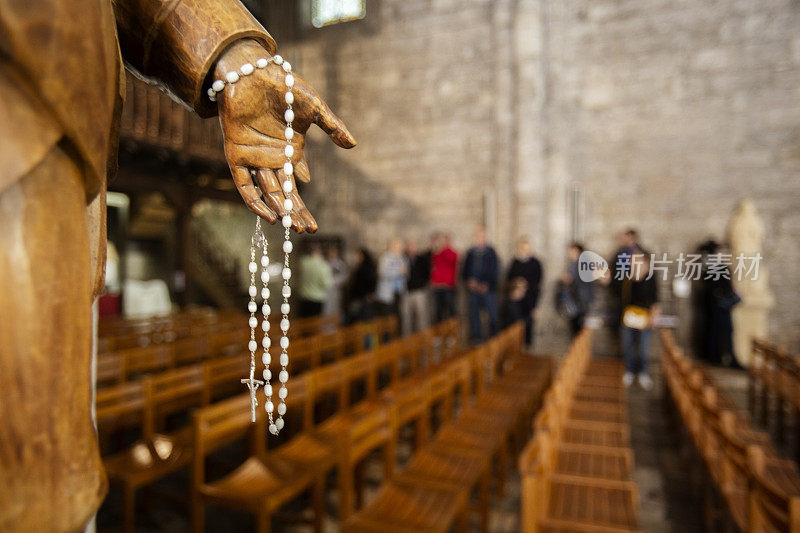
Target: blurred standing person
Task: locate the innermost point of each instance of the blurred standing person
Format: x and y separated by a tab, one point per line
361	286
392	272
640	310
480	273
574	295
316	279
717	299
416	304
444	262
620	266
333	303
524	281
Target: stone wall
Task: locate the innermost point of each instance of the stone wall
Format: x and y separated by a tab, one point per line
659	114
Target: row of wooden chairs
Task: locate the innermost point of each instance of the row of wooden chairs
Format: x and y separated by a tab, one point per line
114	368
576	471
774	378
117	332
152	400
759	492
172	329
497	389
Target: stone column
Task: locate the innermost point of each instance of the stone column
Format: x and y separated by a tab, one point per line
750	317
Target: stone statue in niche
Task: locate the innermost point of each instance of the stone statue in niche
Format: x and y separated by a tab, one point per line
746	236
61	77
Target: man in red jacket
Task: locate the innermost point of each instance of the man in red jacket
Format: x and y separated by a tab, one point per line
444	263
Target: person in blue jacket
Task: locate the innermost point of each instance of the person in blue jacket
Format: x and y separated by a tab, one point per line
480	272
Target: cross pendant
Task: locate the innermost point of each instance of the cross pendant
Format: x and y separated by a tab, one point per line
253	385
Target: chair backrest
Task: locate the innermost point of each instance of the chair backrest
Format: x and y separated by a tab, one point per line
222	375
359	370
230	341
189	350
330	381
171	392
331	346
110	369
222	423
147	359
120	405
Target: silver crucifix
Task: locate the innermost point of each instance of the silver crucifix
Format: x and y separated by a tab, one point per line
253	385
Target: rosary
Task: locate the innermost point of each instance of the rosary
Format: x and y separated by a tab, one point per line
259	241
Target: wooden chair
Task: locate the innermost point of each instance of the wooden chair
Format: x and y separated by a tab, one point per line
222	376
774	496
256	485
156	454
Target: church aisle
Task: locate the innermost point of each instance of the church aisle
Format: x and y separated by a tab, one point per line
670	500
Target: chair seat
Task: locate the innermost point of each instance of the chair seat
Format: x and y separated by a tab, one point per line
447	466
254	487
406	508
147	461
456	435
606	504
303	452
593	462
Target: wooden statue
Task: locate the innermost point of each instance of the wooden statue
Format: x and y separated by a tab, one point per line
60	80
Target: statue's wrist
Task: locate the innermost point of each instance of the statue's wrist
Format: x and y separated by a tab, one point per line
238	53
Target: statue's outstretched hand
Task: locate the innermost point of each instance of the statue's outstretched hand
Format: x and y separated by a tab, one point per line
251	112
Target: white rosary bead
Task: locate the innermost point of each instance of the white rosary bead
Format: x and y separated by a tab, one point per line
279	422
218	86
286	291
286	221
266	342
273	429
285	324
287	66
266	309
211	94
287	188
289	115
264	293
268	389
246	69
289	133
284	360
289	80
288	204
269	407
289	97
283	377
284	342
282	408
253	321
265	325
261	62
288	168
289	150
267	374
252	291
264	276
285	306
287	248
232	77
286	273
264	261
282	392
252	267
266	358
277	59
252	307
252	346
